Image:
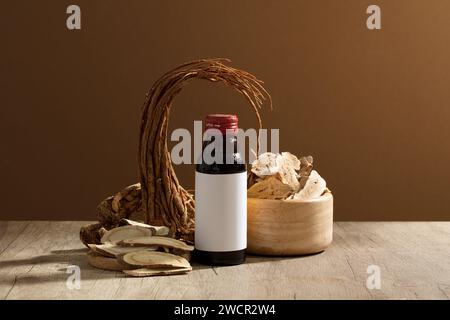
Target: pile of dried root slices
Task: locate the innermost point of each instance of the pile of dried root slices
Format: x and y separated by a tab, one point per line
140	250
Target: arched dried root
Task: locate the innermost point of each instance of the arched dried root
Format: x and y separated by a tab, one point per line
159	197
163	198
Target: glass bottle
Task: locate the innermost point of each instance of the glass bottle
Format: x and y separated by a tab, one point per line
220	195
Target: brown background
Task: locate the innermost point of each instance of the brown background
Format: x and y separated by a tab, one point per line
372	107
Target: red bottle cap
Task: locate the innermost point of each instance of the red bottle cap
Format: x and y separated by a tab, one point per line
223	122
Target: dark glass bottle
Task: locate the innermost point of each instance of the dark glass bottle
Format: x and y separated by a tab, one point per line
221	198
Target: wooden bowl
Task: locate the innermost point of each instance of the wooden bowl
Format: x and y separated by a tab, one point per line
289	227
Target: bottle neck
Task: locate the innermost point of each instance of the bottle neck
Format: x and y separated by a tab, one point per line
221	156
220	150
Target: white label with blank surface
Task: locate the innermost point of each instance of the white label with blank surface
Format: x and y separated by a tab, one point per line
220	212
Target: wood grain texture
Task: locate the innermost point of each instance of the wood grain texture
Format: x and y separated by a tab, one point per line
289	227
413	258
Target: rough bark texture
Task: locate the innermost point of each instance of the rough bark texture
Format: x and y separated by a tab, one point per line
91	234
164	200
120	206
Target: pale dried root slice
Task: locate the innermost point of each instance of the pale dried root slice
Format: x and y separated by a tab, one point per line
289	164
102	232
105	263
266	164
285	164
290	160
314	187
151	272
157	230
123	204
96	248
153	259
156	241
306	166
185	254
112	251
269	188
131	194
251	179
126	232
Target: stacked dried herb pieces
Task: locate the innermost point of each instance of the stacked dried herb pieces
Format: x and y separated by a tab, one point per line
140	250
282	176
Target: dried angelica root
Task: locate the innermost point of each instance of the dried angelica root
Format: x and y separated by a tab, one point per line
149	272
251	179
285	177
315	186
306	166
270	188
105	263
91	233
153	259
266	164
182	253
112	251
120	206
159	197
157	230
156	241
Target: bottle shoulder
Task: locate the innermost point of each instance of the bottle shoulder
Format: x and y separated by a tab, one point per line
221	168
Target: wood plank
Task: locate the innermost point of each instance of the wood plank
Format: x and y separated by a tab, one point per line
414	259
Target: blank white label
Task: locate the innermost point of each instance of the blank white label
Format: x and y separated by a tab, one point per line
220	212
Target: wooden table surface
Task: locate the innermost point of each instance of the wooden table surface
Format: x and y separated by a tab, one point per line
413	258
